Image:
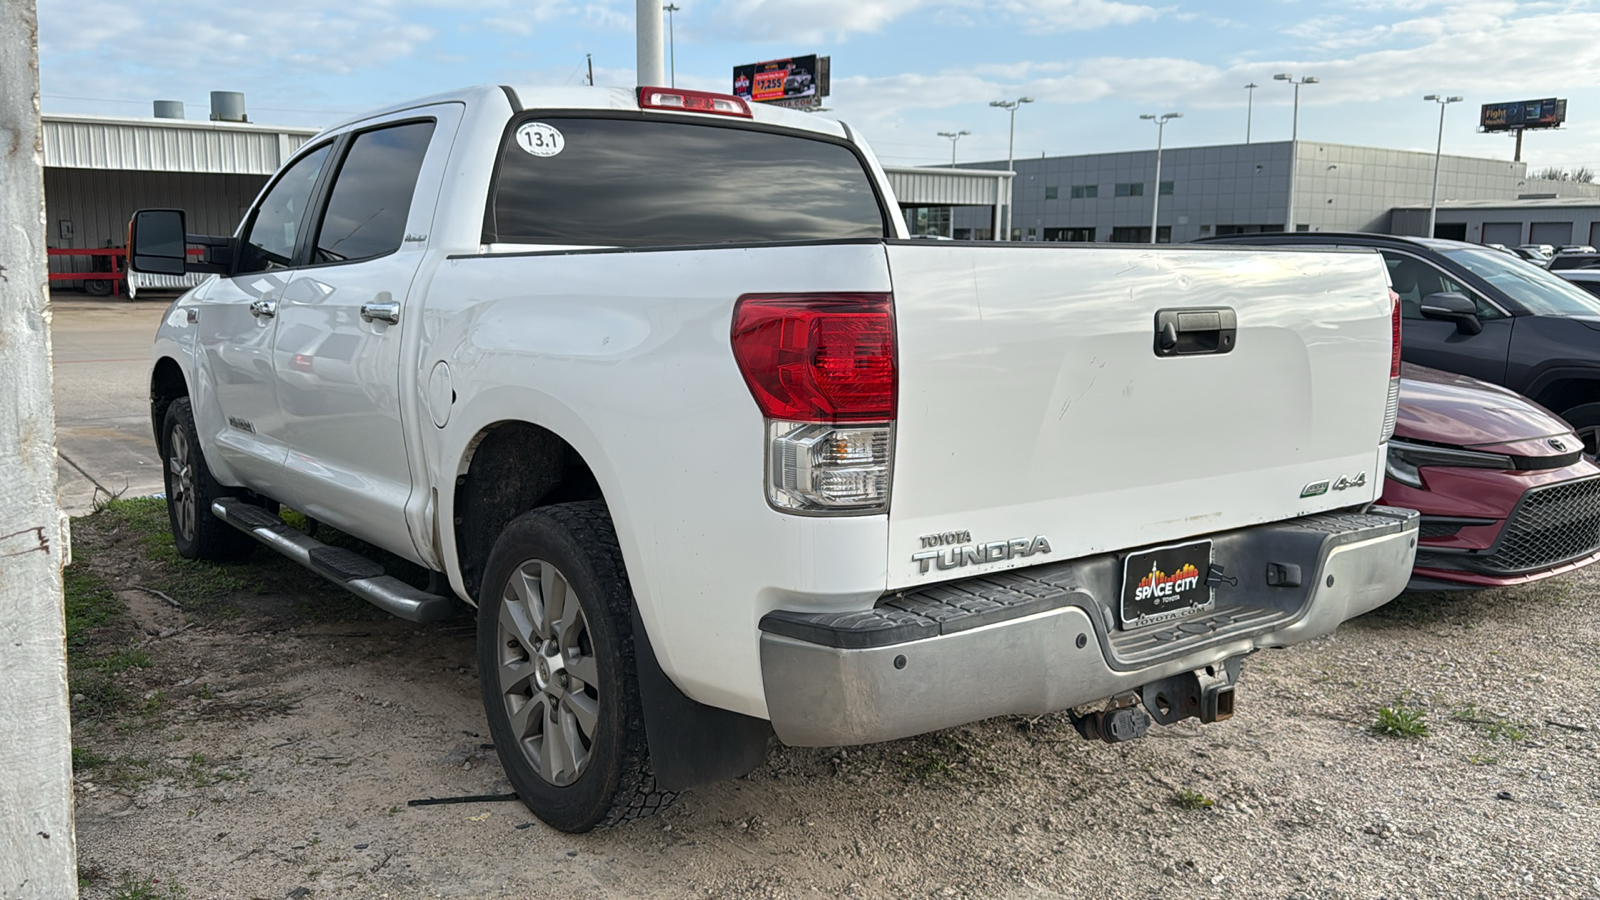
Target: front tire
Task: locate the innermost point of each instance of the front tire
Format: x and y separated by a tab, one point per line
556	667
191	489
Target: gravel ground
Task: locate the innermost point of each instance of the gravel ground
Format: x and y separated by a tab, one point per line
269	744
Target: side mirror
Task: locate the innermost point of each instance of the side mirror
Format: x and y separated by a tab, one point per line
156	242
1453	307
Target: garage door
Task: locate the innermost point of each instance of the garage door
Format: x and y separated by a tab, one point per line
1508	233
1556	234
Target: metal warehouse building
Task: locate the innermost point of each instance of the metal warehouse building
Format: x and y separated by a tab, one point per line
99	169
1243	188
1557	221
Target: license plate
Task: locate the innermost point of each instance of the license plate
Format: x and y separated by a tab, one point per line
1166	583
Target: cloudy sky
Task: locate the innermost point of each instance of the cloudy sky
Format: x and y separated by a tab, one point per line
903	70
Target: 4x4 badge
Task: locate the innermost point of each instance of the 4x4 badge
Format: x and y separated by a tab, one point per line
1344	482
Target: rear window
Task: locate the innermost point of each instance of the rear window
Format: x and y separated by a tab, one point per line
652	183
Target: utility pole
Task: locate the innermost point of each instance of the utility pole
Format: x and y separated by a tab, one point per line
953	136
672	42
647	39
1011	147
37	844
589	58
1294	144
1249	108
1438	151
1155	203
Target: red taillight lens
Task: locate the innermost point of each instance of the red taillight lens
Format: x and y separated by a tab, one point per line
818	357
1394	351
693	101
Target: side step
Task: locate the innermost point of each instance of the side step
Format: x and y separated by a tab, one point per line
351	571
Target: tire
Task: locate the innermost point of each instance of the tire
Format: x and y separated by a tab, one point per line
1585	420
547	672
191	488
97	287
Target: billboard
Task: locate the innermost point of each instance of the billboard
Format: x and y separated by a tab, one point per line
800	81
1547	113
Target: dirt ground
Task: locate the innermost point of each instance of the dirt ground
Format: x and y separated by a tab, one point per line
259	736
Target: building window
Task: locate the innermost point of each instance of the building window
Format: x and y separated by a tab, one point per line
1205	230
1072	235
1130	189
1052	192
1085	191
928	220
1166	189
1140	234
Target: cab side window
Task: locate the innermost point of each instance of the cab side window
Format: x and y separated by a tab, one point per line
1414	279
270	242
371	196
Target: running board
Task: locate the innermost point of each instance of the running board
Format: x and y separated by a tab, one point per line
348	569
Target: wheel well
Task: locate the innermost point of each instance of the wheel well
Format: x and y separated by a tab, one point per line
511	467
1560	396
166	385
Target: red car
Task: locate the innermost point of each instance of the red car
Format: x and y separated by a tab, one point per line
1506	493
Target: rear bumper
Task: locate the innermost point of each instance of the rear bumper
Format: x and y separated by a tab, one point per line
1044	639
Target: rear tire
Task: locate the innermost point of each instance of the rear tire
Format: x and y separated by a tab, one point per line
1585	420
556	667
191	489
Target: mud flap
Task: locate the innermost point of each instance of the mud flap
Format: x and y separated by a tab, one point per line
690	743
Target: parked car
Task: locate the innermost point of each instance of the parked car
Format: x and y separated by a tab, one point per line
1506	494
1531	254
1564	261
1588	279
722	455
1474	311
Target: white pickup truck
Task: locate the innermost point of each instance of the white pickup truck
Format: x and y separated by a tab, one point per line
655	380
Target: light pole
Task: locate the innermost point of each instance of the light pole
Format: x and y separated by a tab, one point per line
1249	108
1011	146
672	43
953	136
1155	204
1438	149
1294	142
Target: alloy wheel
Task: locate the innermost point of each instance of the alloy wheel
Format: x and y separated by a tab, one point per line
548	674
180	489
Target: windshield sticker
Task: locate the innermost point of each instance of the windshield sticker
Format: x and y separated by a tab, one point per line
540	139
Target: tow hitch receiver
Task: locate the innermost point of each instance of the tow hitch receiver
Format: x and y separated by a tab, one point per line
1206	694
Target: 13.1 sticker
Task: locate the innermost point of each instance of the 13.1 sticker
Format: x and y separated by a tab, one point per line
540	139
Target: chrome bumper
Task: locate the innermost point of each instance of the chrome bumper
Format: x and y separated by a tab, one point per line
1045	639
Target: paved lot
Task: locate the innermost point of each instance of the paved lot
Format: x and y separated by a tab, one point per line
102	361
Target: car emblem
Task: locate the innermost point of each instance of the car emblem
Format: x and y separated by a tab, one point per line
1556	444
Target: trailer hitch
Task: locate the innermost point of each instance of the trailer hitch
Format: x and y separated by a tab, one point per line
1206	694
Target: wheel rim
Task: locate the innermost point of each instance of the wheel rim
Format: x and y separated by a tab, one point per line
549	678
180	483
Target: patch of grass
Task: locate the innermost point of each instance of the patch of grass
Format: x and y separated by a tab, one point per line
123	660
1189	798
931	758
1503	731
89	602
148	888
1478	759
121	772
1401	722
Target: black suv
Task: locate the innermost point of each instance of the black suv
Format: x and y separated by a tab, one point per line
1477	311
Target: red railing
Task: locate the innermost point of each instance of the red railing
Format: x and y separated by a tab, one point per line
118	257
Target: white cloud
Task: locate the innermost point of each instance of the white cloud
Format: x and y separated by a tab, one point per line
821	20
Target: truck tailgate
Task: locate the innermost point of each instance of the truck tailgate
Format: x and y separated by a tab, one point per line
1034	403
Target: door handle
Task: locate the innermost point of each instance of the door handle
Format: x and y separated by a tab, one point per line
381	312
1192	332
263	309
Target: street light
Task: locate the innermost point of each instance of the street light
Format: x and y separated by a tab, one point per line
1011	146
953	136
1294	140
672	43
1249	108
1433	204
1155	205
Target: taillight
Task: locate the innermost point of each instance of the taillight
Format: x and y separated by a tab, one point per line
693	101
1391	411
821	368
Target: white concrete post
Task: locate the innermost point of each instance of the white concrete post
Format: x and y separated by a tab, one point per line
37	849
647	26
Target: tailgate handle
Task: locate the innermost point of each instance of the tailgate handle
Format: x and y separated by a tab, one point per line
1193	332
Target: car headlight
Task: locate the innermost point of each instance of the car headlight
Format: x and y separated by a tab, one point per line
1406	460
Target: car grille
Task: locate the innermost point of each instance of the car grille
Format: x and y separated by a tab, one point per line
1551	525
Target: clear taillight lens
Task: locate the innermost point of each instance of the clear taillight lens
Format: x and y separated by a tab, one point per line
829	468
1392	411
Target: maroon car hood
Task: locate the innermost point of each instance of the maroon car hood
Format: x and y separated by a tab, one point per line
1442	408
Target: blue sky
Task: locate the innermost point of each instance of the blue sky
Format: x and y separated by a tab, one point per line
903	70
